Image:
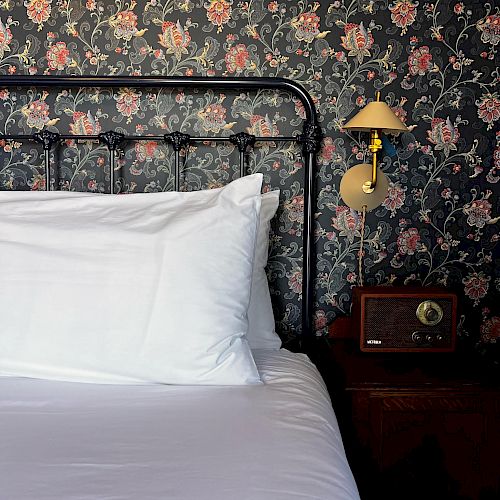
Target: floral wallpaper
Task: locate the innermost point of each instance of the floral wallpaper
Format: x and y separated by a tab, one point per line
435	63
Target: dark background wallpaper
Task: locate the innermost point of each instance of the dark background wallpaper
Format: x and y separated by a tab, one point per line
436	64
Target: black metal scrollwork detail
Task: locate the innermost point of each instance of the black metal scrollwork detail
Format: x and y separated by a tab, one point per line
311	137
178	140
47	139
112	139
242	141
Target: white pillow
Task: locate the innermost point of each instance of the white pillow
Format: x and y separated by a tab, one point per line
261	332
143	288
261	327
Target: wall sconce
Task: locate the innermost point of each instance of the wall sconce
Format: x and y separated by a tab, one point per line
365	185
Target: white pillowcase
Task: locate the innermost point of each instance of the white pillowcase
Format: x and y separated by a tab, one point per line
261	332
261	326
129	289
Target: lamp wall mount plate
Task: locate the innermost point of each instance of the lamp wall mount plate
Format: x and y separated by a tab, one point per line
352	187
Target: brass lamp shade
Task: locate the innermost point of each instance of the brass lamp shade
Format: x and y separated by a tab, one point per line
351	188
376	115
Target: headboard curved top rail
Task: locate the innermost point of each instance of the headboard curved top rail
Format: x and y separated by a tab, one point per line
309	139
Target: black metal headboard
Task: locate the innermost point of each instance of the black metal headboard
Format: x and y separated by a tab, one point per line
309	139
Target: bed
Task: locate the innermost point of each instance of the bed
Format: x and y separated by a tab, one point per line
223	414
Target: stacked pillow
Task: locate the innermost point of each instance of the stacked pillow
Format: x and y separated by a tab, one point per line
146	288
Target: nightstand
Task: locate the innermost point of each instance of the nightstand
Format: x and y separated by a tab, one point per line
415	426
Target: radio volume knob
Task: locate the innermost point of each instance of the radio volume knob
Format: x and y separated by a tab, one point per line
417	337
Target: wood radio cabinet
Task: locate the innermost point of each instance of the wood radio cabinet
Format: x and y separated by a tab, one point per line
415	426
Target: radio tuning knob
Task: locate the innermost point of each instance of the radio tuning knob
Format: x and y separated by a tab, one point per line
429	313
429	338
439	338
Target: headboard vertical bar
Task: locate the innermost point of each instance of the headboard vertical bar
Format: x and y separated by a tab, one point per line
46	161
311	143
177	170
242	164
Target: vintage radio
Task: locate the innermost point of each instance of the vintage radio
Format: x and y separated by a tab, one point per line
407	319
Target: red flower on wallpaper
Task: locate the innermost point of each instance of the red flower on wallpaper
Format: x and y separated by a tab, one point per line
84	124
237	58
346	221
295	281
490	29
37	114
478	213
327	152
213	117
5	39
395	198
219	12
490	330
488	108
408	241
306	26
443	135
403	14
124	24
320	320
174	38
294	209
420	61
262	126
58	56
127	102
38	11
476	286
146	150
357	40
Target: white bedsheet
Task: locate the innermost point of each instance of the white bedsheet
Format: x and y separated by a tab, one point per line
71	441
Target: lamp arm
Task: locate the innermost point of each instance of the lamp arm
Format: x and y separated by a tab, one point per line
374	146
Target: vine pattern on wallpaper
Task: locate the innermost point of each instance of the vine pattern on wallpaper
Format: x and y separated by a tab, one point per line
436	64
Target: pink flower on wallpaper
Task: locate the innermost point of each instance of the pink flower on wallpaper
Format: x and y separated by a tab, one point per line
124	24
213	117
84	124
219	12
237	58
490	330
320	320
490	29
403	14
127	102
262	126
408	241
306	26
145	150
478	213
488	108
58	56
357	40
295	281
294	209
443	135
476	286
420	61
37	114
395	198
38	11
175	39
5	39
327	152
346	221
